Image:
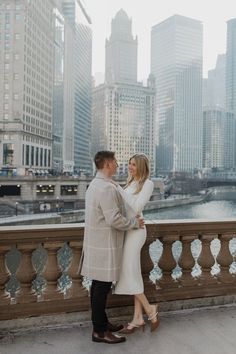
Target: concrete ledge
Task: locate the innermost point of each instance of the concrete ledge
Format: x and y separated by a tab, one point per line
21	326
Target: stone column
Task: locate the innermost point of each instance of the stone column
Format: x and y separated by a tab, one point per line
206	260
186	261
225	259
26	274
76	289
4	276
52	272
167	262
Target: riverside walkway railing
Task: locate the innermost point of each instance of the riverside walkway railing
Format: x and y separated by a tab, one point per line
26	301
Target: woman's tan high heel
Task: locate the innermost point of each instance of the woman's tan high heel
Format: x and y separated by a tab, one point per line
133	327
156	323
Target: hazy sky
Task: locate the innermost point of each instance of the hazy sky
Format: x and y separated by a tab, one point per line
147	13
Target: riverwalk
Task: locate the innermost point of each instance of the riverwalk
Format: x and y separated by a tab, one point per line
198	331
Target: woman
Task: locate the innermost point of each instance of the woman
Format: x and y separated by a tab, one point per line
136	194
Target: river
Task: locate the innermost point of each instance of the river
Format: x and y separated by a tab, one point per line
213	210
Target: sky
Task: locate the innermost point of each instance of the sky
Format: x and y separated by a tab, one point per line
146	13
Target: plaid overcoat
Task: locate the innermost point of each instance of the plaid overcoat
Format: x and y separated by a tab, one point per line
105	223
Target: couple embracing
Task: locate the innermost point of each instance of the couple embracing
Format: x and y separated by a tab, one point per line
113	238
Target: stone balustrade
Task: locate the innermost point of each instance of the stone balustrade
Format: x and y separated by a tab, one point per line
173	277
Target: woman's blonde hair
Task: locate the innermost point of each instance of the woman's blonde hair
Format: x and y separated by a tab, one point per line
143	171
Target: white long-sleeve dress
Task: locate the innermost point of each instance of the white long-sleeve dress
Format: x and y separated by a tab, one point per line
131	281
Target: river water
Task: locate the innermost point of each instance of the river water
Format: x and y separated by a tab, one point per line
212	210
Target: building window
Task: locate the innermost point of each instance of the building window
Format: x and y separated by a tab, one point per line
8	154
27	155
16	96
41	156
6	116
37	156
49	158
45	157
69	190
45	189
23	154
32	155
16	76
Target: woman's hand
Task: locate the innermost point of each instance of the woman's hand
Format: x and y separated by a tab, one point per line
140	221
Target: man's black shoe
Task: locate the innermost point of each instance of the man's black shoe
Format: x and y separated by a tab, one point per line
107	337
114	327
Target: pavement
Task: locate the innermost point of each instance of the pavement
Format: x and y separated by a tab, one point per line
199	331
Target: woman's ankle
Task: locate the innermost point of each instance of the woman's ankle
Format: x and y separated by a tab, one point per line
137	320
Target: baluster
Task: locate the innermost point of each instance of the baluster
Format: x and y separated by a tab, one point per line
52	272
146	267
76	289
186	261
206	260
26	274
225	259
167	262
4	276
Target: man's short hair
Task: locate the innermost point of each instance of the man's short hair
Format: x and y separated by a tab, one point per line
101	157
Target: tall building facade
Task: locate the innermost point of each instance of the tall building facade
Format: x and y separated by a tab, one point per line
121	51
123	109
63	95
230	83
79	56
176	63
214	90
123	121
231	66
26	84
218	138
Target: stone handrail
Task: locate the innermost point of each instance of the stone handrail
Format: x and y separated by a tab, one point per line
51	238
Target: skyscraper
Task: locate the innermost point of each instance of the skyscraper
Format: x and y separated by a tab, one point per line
79	57
121	51
123	109
26	84
123	121
63	107
214	93
230	83
218	138
176	63
231	66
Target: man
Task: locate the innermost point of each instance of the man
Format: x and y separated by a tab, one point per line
105	224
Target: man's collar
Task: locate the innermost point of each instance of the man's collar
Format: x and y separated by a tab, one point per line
99	174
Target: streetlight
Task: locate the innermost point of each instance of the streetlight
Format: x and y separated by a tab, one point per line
16	210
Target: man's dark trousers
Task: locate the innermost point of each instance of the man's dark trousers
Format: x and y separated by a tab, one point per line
98	296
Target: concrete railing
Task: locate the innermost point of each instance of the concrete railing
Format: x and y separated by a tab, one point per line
26	301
